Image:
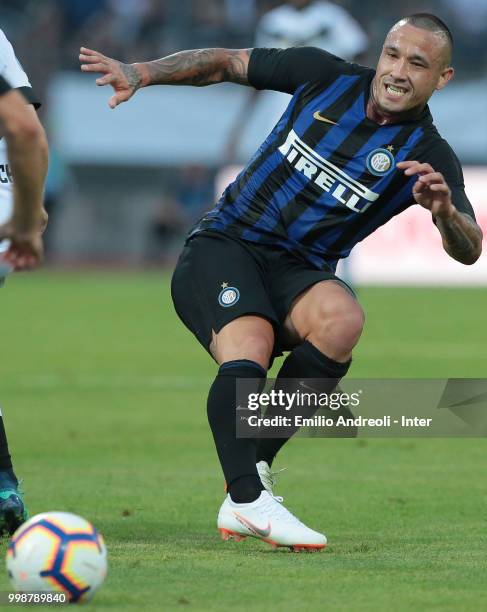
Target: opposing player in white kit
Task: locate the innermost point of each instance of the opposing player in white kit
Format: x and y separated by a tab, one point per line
23	166
296	23
312	23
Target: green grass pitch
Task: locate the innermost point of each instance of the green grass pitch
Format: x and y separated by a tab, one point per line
104	391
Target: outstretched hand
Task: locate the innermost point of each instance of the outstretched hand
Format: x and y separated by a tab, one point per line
124	78
430	190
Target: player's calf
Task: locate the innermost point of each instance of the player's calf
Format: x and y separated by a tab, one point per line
237	455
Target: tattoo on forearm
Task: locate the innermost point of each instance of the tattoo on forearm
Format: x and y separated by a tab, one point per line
237	69
462	237
199	67
133	77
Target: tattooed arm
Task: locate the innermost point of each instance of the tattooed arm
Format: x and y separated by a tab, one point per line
461	236
199	67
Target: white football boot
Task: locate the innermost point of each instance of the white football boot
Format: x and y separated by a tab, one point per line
268	520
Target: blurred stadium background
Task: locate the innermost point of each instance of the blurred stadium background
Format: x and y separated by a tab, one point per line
103	391
125	185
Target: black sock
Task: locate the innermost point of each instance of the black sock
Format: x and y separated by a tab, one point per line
237	455
307	362
245	489
5	460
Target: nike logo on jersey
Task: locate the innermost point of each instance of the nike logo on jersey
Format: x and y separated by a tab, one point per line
264	533
326	175
319	117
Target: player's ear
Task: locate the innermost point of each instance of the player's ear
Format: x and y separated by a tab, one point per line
446	76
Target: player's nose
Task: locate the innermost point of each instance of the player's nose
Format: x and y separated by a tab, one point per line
399	69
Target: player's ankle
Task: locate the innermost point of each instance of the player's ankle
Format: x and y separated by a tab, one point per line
245	489
263	456
7	477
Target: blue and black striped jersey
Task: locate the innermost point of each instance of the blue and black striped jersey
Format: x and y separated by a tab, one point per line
326	176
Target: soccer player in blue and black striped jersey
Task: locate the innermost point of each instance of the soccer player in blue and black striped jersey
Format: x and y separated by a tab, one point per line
355	147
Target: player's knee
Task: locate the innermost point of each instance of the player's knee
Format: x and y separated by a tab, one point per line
246	338
254	347
339	328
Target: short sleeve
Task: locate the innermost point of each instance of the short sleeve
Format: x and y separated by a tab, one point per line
30	95
12	70
287	69
443	159
4	86
10	67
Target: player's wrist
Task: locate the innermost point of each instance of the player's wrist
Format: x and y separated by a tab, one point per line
446	213
25	226
143	73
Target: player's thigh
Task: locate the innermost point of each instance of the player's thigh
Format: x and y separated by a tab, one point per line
326	308
219	293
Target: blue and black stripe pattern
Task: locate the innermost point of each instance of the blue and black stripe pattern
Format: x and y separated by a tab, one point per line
325	177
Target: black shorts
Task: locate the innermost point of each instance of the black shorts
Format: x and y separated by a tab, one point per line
219	278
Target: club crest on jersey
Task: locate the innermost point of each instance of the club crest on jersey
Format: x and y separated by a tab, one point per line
228	296
380	162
